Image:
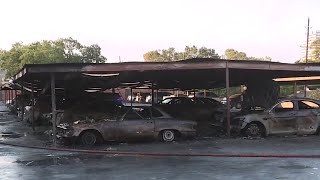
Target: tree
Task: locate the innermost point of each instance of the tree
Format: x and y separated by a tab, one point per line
92	54
235	55
152	56
315	53
170	54
232	54
207	53
43	52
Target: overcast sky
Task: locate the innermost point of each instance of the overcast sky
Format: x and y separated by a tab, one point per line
129	28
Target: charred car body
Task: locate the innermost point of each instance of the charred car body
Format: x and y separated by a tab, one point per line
287	116
209	113
193	108
132	123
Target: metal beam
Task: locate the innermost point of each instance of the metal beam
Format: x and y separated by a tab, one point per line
131	98
22	102
54	111
152	94
295	89
228	98
32	100
163	66
5	97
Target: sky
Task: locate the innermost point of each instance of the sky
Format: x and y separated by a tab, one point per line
128	28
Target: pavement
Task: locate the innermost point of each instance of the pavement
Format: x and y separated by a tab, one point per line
25	163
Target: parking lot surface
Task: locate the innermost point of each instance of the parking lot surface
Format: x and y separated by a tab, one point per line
25	163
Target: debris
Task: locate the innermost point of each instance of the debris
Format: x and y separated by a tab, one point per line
29	163
111	149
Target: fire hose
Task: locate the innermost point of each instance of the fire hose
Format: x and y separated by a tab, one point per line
159	154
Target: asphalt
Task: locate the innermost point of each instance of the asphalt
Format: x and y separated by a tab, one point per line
24	163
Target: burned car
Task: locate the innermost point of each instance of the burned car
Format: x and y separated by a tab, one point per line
133	123
287	116
193	108
209	113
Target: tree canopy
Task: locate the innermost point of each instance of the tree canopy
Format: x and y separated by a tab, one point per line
189	52
315	53
171	54
232	54
64	50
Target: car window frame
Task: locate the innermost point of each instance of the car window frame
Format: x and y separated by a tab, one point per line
272	110
131	109
309	101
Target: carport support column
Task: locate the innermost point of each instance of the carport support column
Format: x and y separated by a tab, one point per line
5	97
295	89
9	95
228	98
305	90
131	98
152	95
53	104
22	102
32	100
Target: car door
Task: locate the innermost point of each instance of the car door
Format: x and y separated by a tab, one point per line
136	124
283	118
308	113
108	128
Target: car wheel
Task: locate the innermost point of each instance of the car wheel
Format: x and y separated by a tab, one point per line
254	130
88	138
168	135
318	131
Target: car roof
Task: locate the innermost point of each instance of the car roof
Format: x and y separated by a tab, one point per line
297	99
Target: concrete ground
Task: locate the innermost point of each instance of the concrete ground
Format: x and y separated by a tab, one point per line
24	163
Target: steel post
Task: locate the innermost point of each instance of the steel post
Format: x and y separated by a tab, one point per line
53	106
32	99
131	96
295	89
22	102
228	99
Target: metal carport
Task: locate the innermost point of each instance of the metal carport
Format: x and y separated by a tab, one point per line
187	74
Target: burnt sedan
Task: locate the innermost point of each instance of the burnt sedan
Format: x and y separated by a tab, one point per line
197	109
287	116
133	123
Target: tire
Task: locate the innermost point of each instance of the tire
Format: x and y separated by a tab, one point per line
168	135
254	130
88	138
318	131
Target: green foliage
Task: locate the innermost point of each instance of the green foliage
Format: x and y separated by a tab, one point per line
232	54
286	90
235	55
170	54
315	54
65	50
221	92
315	94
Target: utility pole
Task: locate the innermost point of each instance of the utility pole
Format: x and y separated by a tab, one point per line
307	48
